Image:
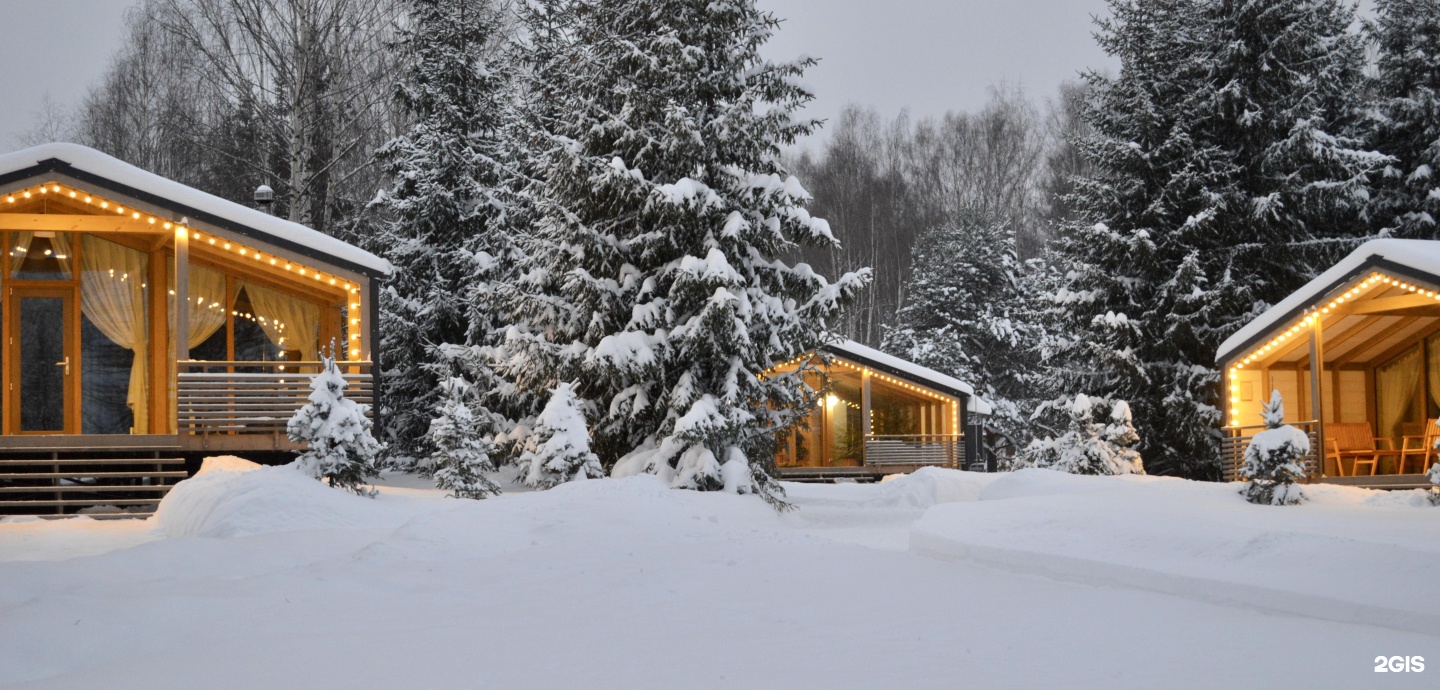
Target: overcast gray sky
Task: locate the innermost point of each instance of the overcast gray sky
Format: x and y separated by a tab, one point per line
928	55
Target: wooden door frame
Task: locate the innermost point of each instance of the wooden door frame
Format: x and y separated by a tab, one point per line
70	292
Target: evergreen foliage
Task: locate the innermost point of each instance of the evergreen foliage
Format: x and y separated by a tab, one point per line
462	453
339	447
1405	119
559	448
1274	459
1100	440
1220	181
659	211
447	209
965	316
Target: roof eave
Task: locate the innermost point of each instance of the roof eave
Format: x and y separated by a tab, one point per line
893	371
1371	263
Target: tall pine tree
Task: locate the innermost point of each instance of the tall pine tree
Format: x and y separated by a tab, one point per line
1221	182
448	208
660	212
1405	119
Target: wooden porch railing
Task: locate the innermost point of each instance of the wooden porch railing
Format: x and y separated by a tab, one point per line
254	397
944	450
1237	439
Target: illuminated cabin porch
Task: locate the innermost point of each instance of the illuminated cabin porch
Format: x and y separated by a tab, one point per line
1355	356
104	264
880	415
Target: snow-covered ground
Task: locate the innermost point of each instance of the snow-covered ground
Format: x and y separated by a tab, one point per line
263	578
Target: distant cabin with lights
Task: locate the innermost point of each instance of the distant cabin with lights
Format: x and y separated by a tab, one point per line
881	415
1355	354
104	266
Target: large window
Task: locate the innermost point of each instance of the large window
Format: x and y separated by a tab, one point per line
234	319
1397	390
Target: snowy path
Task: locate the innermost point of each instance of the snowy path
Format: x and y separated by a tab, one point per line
620	584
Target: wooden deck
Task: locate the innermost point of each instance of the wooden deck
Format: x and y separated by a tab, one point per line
222	407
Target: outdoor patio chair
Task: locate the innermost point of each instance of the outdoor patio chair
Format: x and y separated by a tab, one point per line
1355	442
1420	447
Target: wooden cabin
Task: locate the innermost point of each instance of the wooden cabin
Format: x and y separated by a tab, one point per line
882	415
1355	355
103	266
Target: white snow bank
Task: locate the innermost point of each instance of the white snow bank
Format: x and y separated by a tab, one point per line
231	497
97	163
1349	555
929	486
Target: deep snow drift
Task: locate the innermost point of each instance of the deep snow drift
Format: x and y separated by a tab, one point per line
247	577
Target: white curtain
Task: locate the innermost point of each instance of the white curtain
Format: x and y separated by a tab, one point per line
289	322
207	314
19	250
60	244
207	303
112	297
1397	385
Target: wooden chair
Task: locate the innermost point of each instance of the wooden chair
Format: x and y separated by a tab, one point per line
1355	442
1421	447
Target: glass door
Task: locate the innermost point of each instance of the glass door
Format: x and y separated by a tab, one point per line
42	396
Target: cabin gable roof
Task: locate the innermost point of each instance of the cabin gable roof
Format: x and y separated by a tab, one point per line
93	168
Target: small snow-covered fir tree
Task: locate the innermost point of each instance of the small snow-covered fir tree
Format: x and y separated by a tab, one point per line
1099	440
661	216
339	447
462	453
559	447
965	316
1404	120
447	210
1274	459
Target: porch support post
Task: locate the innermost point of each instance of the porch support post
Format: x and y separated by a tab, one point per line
182	295
159	354
868	427
1317	398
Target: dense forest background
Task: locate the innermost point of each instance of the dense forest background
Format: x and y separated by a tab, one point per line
1094	243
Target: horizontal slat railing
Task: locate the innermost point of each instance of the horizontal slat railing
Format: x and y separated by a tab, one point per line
254	397
1237	440
943	450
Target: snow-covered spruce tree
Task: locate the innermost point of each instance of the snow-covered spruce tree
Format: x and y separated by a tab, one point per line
1273	460
462	453
1404	119
965	316
339	447
1100	440
661	211
1219	183
447	209
559	448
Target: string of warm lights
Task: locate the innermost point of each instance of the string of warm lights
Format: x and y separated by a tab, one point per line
1308	320
943	399
215	242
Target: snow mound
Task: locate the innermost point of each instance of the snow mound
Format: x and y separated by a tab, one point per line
928	486
231	497
1046	482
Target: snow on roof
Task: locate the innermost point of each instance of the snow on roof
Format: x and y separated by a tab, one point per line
88	160
1422	256
895	365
